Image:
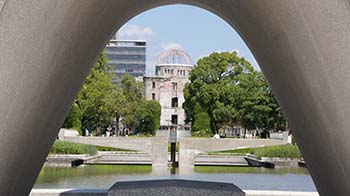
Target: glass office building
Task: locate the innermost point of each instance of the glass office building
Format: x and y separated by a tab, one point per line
127	57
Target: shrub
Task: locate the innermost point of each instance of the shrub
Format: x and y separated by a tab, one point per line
73	120
61	147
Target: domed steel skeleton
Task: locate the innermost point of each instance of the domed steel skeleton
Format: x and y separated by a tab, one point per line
174	57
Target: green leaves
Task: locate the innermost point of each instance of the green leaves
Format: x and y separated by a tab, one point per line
202	123
129	101
96	97
231	92
94	105
73	119
134	110
99	102
149	116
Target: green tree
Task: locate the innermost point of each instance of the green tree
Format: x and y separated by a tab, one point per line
230	92
129	99
149	116
213	85
96	97
201	126
73	120
257	105
99	102
248	100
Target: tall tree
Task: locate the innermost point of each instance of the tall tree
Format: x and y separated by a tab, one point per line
149	116
96	97
131	96
231	92
99	102
73	120
201	124
213	85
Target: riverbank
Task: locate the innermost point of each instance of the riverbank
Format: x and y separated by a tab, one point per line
100	158
76	154
138	158
104	176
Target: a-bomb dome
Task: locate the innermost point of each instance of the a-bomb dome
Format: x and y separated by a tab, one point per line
174	57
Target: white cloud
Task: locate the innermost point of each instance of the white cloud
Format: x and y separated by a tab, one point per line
167	46
135	32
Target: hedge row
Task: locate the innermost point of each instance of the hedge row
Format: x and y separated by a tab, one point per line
61	147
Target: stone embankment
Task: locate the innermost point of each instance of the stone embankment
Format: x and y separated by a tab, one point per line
121	158
63	160
139	158
282	162
219	160
102	158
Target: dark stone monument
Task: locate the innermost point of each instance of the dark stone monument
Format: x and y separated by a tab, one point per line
173	188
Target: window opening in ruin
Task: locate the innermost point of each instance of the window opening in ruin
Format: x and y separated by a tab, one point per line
174	119
174	102
174	84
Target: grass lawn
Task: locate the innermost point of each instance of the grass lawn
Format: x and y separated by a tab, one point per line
61	147
281	151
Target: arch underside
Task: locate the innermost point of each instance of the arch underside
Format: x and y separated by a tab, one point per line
301	46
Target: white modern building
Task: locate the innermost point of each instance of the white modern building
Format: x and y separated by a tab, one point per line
127	57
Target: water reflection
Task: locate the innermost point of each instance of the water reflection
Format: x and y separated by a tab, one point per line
104	176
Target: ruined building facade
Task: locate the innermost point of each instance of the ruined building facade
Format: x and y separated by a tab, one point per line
167	87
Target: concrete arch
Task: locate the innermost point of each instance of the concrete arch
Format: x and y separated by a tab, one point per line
302	46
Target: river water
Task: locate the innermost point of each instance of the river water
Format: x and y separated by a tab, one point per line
104	176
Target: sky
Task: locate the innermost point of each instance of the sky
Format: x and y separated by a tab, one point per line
194	30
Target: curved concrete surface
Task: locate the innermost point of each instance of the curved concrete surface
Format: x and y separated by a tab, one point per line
48	46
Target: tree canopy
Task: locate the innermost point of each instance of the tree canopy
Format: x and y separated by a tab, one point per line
149	116
96	97
100	101
130	97
226	89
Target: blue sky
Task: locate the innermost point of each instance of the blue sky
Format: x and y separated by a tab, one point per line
195	30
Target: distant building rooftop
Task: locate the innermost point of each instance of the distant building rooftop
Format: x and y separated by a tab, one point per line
133	43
